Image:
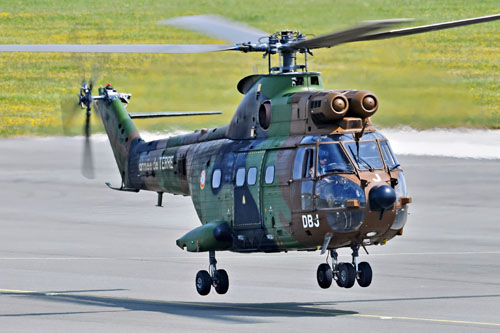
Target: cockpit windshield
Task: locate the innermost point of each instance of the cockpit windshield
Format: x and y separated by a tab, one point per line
331	158
368	155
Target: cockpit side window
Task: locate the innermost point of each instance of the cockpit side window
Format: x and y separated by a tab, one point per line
390	160
303	166
331	159
308	169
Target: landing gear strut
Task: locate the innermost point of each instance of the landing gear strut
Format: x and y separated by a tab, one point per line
217	278
344	273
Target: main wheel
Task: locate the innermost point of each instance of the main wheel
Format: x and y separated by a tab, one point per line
203	283
346	275
324	276
365	274
221	281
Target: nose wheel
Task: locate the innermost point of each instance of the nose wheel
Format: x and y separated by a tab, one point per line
217	278
203	283
344	273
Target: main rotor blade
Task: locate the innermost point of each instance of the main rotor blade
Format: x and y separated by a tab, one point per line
218	27
144	115
427	28
347	35
117	48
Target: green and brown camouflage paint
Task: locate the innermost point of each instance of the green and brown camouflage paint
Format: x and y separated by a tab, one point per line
270	128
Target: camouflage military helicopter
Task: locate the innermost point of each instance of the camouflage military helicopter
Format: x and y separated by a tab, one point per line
297	168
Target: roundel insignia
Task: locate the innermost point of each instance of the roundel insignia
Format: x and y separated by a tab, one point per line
202	180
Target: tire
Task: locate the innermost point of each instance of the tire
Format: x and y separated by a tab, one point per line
221	281
324	276
346	275
365	274
203	283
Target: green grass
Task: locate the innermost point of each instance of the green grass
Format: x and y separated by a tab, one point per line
449	78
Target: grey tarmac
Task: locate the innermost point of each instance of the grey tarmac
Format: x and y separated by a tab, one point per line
77	256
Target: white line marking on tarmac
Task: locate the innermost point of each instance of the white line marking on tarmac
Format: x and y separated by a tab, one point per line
60	258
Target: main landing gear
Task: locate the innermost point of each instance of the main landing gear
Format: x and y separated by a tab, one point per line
217	278
344	273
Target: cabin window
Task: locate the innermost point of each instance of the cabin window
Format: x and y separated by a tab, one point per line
252	176
240	177
228	160
216	177
269	174
314	80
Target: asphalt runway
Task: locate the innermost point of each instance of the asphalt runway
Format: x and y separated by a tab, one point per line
76	256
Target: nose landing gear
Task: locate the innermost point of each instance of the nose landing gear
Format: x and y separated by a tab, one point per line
217	278
345	274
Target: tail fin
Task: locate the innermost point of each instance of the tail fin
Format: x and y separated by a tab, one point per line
121	131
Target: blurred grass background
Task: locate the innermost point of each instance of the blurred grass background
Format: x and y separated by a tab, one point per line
448	78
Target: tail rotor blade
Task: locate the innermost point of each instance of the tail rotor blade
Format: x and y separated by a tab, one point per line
87	124
87	161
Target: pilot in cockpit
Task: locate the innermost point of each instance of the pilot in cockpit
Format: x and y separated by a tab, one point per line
322	161
331	158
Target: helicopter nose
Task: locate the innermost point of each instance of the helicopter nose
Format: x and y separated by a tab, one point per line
382	197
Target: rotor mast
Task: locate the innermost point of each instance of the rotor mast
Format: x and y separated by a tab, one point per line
288	56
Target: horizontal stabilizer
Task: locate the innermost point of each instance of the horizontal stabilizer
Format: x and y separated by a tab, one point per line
121	188
145	115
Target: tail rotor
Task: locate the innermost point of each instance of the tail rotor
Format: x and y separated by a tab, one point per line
69	114
85	101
